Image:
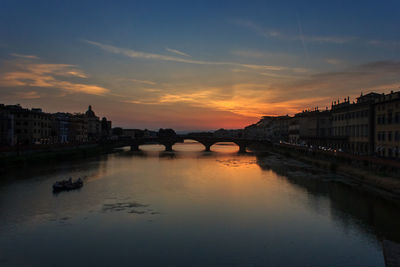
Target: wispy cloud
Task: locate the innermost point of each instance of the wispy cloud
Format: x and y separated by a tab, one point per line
141	81
384	44
177	52
24	56
227	98
279	96
317	39
28	95
144	55
248	54
293	37
379	76
28	74
333	61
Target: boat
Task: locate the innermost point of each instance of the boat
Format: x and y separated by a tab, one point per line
66	185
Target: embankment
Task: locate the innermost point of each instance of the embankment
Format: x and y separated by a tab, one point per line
18	158
372	174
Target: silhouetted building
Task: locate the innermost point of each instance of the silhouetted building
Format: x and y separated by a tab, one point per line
30	126
354	123
93	125
272	128
60	128
105	128
6	127
78	129
387	118
311	127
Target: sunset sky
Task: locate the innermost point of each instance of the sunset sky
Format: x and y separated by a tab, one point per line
195	65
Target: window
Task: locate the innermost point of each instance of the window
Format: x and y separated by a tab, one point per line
396	136
389	119
389	136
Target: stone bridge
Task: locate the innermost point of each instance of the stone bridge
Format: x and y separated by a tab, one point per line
206	141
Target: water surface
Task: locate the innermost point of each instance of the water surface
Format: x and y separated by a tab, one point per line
190	208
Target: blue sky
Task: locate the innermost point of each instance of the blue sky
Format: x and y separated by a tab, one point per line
200	65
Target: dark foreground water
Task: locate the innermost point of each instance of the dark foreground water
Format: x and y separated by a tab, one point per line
190	208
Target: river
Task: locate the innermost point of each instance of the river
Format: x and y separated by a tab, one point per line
190	208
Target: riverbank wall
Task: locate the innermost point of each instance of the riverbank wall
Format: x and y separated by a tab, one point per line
373	173
22	156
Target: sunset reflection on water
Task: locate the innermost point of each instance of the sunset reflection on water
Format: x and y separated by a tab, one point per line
188	207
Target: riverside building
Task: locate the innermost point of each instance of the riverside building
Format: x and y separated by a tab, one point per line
30	126
6	127
311	127
387	118
22	126
353	124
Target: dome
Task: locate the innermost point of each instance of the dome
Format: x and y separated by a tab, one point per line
89	112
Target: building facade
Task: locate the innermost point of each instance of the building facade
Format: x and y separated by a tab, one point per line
93	125
30	126
6	127
106	127
311	128
387	119
61	131
78	129
354	124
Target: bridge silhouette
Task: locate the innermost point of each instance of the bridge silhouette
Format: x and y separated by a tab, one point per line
206	141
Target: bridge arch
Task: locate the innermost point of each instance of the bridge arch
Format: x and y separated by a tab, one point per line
209	142
205	143
242	146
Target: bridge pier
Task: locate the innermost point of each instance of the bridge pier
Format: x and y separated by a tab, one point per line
135	147
168	147
207	145
242	148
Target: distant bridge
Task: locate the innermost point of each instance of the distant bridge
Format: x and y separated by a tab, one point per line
206	141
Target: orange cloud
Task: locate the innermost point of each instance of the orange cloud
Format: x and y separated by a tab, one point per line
48	75
28	95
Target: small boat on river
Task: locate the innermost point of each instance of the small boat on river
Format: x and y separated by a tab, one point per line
66	185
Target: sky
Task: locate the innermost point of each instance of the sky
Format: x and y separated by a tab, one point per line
195	65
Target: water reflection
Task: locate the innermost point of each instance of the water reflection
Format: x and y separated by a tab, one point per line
191	207
350	204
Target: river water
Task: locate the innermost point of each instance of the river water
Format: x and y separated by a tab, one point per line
191	208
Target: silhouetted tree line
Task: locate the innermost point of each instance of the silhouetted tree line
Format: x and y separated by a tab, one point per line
166	133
